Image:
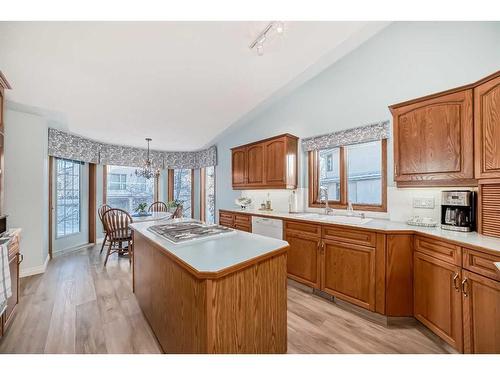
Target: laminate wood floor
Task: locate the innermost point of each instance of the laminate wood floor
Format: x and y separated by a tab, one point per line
80	306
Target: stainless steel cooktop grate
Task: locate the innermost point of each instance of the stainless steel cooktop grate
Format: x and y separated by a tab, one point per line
181	232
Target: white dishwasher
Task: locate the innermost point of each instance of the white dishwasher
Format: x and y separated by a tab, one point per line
267	227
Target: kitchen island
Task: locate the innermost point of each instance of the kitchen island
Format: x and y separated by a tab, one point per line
223	294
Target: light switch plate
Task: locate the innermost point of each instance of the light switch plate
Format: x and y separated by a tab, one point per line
423	203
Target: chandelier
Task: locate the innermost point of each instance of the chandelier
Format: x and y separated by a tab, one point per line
147	171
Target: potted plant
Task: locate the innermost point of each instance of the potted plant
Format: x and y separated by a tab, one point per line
141	209
172	205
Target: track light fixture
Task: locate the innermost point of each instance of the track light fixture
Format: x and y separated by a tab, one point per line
277	27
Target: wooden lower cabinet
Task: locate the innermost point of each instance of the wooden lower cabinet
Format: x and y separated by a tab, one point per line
349	273
303	262
241	222
481	320
452	290
438	297
15	259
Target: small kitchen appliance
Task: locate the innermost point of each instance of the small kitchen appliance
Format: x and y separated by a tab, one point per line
458	210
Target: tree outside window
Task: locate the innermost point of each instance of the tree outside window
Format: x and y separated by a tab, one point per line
125	190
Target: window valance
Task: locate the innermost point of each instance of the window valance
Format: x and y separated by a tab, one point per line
367	133
70	146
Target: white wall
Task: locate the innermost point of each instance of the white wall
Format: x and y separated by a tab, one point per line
26	185
404	61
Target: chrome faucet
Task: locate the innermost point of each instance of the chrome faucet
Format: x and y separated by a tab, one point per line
350	209
351	212
323	192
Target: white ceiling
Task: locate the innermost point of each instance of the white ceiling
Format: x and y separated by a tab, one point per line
181	83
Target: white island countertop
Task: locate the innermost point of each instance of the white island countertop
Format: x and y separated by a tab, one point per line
380	225
216	253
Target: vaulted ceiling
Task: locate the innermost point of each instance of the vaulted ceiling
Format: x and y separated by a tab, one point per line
181	83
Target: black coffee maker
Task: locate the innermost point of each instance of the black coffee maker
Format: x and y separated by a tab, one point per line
458	210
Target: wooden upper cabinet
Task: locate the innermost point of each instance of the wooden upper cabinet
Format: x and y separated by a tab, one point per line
267	164
4	85
433	140
255	157
239	165
275	168
487	128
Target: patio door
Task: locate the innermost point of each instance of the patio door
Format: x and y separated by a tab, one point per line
70	197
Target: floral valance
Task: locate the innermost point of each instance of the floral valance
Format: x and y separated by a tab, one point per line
367	133
69	146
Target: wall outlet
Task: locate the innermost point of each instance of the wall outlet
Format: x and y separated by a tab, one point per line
423	203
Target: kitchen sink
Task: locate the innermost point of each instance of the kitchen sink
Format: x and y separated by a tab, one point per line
335	218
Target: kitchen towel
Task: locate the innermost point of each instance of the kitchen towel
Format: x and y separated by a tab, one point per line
5	286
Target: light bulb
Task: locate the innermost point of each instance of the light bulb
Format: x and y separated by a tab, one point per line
260	49
280	27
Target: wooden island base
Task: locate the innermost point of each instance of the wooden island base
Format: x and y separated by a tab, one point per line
242	309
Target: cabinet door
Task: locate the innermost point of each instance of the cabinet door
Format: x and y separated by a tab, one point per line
14	299
438	298
481	301
433	140
303	258
226	219
255	165
239	163
349	273
487	129
275	162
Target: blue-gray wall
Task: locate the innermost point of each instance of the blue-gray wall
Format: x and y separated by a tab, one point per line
404	61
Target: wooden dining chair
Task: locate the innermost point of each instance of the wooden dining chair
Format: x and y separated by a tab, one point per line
116	222
101	212
158	207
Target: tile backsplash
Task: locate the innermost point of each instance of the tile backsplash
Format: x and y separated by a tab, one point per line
399	201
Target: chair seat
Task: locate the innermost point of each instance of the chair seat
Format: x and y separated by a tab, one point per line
129	238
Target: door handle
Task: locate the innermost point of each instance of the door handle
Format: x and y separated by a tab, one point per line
464	287
455	279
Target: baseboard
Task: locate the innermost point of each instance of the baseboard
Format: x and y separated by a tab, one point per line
34	270
71	250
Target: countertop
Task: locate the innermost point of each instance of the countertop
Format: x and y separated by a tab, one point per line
153	217
468	239
217	253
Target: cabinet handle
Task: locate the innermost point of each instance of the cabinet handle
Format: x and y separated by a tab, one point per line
464	288
455	279
21	258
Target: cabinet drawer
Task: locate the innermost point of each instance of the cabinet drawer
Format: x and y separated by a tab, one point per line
481	263
245	228
226	216
242	219
226	223
354	236
303	228
439	249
